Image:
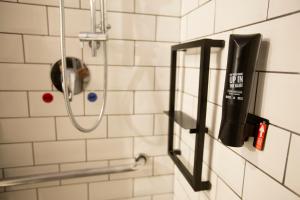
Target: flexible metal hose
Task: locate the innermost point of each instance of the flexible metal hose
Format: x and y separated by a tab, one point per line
65	81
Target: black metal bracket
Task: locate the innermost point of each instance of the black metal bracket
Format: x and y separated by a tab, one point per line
252	129
196	126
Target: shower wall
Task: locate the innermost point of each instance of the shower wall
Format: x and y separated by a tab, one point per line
245	173
37	137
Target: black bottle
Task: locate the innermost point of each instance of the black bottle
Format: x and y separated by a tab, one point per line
242	59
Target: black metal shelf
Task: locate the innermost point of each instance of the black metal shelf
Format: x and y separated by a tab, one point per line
185	121
195	126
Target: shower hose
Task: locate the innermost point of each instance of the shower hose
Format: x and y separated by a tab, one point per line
66	91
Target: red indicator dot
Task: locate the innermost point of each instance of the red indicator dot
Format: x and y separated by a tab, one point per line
47	97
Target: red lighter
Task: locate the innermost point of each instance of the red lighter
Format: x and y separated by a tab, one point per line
261	136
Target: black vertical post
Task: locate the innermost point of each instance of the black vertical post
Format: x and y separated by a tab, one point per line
201	116
172	99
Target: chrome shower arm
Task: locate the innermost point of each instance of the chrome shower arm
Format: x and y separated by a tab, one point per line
93	15
102	16
93	26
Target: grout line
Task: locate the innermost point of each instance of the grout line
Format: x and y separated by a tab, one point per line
156	28
56	130
88	190
33	156
28	104
256	91
47	18
215	15
23	48
287	158
243	184
268	9
37	193
86	150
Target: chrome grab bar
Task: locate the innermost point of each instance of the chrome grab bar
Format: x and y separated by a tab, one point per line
140	161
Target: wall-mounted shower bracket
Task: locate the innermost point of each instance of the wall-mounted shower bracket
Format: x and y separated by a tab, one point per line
197	126
89	36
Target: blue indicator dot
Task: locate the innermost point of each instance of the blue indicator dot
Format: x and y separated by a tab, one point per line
92	97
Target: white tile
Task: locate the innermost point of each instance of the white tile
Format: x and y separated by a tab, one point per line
218	56
228	165
152	53
213	119
183	29
153	185
259	186
68	3
10	155
30	171
163	165
292	171
43	49
84	165
131	78
278	7
13	104
112	5
201	21
188	190
19	195
161	124
191	81
151	145
130	125
56	152
27	129
20	77
120	5
224	192
151	102
26	21
168	29
107	190
277	53
159	7
271	160
76	21
233	13
119	103
216	86
119	52
109	149
66	130
131	26
96	78
162	78
74	192
179	193
273	99
142	172
11	49
56	108
163	197
188	5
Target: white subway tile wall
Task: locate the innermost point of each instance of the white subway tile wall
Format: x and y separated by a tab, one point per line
37	137
245	173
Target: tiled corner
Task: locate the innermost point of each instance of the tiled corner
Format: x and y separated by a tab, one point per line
292	170
259	186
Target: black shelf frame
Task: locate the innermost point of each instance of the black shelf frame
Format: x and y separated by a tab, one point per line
196	126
